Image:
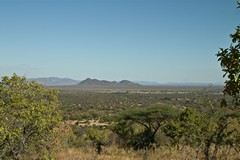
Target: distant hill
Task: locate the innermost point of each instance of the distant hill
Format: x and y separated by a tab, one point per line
55	81
95	82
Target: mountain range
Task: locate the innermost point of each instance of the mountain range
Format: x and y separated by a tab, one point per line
95	82
55	81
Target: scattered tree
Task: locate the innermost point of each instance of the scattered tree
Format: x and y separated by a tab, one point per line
149	120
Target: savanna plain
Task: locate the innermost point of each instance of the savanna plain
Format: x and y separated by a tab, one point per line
161	122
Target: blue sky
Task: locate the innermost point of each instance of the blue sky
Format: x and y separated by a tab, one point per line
139	40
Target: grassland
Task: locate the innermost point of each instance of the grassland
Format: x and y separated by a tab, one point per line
114	153
85	108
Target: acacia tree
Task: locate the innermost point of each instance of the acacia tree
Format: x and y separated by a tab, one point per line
151	119
28	115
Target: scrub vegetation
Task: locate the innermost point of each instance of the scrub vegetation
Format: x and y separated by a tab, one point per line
141	123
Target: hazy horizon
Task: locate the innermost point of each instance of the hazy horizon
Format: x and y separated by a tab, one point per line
137	81
138	40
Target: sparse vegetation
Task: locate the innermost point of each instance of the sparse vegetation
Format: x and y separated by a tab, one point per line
123	123
144	124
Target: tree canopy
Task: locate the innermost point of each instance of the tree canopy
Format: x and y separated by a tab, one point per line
28	115
230	62
150	119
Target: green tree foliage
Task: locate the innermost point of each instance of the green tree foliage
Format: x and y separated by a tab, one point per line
230	62
28	115
223	124
208	132
98	138
186	129
95	135
149	120
124	130
221	133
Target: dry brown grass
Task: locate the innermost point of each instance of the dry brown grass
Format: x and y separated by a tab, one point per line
114	153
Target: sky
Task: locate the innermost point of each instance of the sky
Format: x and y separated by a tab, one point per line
138	40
